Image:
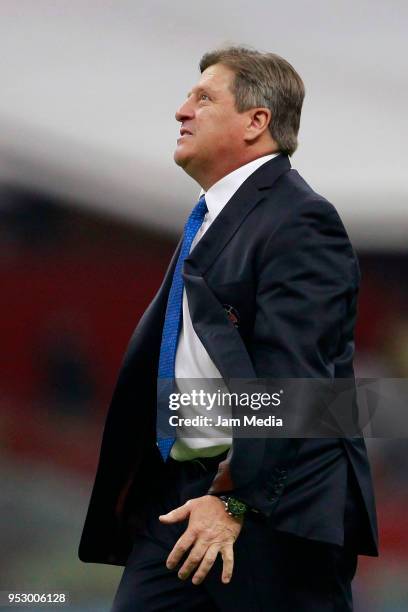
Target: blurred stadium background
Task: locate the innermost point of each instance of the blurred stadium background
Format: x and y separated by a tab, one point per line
90	208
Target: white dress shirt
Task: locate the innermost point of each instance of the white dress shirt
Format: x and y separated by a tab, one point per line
192	360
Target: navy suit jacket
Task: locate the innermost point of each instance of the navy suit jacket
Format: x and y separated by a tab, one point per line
280	255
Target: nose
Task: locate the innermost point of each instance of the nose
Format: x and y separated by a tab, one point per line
185	111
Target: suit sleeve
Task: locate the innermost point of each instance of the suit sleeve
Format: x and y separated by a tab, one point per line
305	285
305	300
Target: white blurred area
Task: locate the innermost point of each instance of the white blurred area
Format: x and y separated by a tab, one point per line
89	91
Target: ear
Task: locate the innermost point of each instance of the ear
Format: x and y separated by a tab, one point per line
258	123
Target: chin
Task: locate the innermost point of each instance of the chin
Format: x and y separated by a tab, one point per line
180	159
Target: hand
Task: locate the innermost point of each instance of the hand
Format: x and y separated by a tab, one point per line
210	531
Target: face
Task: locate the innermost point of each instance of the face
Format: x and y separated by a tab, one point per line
211	130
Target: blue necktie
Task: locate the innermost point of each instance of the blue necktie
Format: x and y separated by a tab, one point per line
172	326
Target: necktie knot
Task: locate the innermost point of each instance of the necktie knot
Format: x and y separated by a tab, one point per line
199	211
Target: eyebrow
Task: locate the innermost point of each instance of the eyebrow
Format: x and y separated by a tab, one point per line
199	89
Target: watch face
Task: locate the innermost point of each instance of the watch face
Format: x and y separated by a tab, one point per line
236	507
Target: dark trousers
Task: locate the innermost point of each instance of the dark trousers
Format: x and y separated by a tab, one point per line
272	570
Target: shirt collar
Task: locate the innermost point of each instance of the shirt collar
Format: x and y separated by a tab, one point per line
222	191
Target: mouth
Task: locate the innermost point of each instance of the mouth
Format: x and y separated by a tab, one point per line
185	132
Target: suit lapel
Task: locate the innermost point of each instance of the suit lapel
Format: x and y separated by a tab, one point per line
220	338
233	214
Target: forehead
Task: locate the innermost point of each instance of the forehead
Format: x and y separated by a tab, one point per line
218	78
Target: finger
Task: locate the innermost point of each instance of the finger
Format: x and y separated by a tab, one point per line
194	558
178	514
227	553
180	548
206	564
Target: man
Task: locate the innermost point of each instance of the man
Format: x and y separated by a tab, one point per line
263	284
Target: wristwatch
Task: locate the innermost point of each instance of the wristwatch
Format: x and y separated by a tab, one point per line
234	507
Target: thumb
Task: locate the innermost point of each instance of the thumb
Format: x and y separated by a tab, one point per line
176	515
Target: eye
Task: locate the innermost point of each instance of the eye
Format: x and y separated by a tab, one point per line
204	96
